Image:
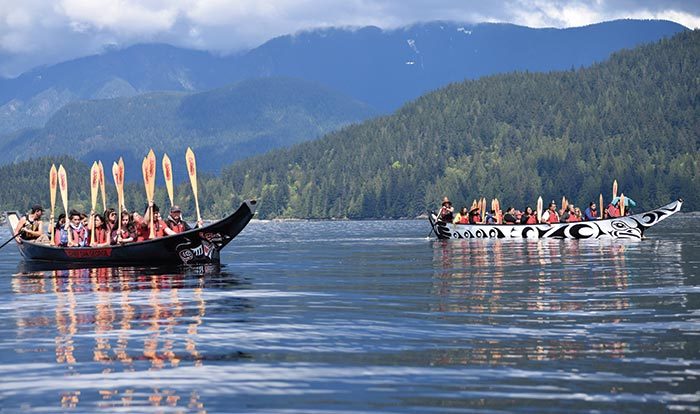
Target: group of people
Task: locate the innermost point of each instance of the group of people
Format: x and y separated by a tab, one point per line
101	230
570	214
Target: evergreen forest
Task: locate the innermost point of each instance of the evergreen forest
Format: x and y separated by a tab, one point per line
517	136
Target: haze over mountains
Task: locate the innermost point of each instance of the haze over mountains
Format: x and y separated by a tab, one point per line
383	68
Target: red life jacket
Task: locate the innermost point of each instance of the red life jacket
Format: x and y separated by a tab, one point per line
613	211
531	219
79	235
177	228
553	217
158	229
573	219
101	236
464	219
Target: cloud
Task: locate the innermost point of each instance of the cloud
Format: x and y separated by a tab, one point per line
36	32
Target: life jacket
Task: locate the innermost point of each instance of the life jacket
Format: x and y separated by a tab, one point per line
32	225
101	235
464	219
158	229
553	217
60	237
573	219
179	226
79	235
613	211
531	219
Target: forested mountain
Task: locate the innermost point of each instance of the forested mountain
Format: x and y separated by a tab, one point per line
634	118
383	68
223	125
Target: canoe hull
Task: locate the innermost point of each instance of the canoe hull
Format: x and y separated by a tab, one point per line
196	246
629	227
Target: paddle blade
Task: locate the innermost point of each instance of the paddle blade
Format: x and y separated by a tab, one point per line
63	186
614	189
53	184
192	172
146	181
103	187
122	203
94	184
168	175
600	205
622	205
151	174
539	209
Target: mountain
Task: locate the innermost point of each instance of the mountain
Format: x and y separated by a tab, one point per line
634	118
384	68
222	125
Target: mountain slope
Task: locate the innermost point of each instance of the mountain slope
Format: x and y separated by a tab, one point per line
222	125
634	118
383	68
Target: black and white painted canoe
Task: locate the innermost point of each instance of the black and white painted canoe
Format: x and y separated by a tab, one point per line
197	246
628	227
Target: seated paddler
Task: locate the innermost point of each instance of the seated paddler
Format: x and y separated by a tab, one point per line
29	226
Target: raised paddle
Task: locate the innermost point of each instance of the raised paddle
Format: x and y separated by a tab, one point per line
53	182
192	171
63	186
120	164
94	186
614	189
601	205
168	174
103	187
622	204
147	183
119	184
539	209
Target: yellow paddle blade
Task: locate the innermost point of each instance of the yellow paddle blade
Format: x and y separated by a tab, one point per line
614	188
103	187
151	174
168	175
120	190
144	170
622	204
53	183
600	205
63	186
192	172
539	209
94	184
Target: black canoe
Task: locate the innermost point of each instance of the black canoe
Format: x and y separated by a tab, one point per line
196	246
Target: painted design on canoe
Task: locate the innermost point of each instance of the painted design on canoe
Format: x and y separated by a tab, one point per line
196	246
629	227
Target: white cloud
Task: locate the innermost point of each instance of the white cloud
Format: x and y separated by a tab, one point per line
34	32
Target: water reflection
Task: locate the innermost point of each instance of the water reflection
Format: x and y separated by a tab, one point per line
531	292
119	320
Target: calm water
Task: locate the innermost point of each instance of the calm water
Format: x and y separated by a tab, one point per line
363	317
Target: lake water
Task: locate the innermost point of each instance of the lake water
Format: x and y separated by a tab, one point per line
366	316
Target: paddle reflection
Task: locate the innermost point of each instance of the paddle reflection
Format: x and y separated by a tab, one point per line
120	320
538	285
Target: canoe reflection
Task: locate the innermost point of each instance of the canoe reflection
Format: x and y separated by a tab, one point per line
539	286
119	320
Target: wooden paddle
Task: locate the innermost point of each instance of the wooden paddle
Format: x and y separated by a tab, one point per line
103	187
539	209
192	171
601	206
120	164
94	186
614	189
148	167
53	182
63	186
168	174
622	204
117	179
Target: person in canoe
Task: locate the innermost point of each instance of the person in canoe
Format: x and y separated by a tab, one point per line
510	217
101	237
175	221
551	216
613	210
79	234
60	235
474	215
528	217
29	226
446	212
128	232
160	228
462	217
591	213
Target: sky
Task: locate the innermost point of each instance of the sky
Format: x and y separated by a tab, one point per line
44	32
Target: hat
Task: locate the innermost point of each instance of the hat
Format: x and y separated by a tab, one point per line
175	209
446	201
37	207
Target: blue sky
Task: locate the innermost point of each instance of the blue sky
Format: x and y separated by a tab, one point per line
40	32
